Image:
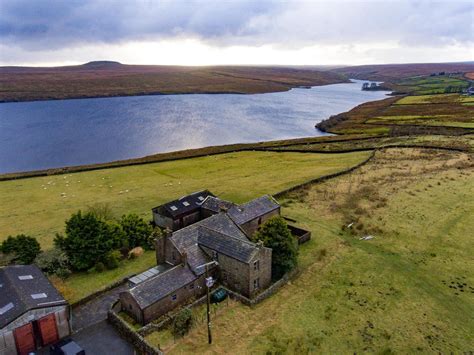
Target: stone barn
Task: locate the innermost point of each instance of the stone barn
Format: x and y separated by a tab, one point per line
33	314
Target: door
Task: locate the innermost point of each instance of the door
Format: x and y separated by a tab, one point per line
24	339
48	329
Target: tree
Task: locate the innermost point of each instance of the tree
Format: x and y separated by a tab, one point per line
138	232
88	239
275	235
24	247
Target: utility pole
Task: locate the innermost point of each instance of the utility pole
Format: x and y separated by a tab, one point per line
209	335
209	283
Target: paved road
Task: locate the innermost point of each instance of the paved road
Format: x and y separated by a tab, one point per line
95	310
99	339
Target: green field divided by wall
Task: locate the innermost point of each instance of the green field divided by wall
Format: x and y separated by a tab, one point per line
39	206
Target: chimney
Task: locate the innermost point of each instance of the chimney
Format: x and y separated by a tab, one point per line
160	246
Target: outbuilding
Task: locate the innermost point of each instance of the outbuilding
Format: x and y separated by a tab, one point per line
33	314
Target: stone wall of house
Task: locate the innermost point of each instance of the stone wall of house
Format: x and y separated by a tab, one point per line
233	273
162	221
192	290
251	227
260	268
131	307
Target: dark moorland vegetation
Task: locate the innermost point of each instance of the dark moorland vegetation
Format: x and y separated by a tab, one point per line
104	79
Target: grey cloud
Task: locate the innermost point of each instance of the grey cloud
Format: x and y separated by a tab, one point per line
56	24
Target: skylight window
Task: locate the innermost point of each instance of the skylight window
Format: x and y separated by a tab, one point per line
6	308
37	296
174	208
25	277
201	198
186	203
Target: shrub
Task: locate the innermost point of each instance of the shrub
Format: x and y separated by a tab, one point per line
99	267
182	322
54	262
275	235
138	232
112	259
24	248
88	240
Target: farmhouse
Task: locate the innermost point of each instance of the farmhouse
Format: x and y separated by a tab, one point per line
33	314
221	233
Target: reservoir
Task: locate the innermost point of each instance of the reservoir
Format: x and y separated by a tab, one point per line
49	134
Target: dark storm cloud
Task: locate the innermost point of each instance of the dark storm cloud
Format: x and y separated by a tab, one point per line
56	24
60	23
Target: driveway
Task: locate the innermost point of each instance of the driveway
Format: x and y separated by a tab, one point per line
99	339
95	311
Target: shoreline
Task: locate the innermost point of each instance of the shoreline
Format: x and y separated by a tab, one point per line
183	154
160	93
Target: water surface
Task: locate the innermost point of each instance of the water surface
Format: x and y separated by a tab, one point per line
48	134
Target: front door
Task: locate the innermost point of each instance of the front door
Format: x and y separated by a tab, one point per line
24	339
48	329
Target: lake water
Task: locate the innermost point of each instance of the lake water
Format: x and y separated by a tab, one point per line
48	134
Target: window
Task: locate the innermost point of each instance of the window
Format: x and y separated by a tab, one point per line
215	256
129	306
25	277
37	296
256	283
260	221
256	265
174	208
191	286
186	203
173	297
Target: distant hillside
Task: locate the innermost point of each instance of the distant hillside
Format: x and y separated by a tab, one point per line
108	78
389	72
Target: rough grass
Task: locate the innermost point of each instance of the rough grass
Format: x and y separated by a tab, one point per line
23	84
410	289
39	206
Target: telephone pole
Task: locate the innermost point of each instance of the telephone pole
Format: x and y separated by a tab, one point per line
209	283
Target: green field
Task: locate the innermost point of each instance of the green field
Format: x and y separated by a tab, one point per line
39	206
410	289
427	85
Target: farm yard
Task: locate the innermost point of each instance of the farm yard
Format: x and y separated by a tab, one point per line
409	289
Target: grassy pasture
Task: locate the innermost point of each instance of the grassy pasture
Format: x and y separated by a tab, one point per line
39	206
410	289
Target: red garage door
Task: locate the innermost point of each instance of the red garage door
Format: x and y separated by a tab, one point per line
48	330
25	341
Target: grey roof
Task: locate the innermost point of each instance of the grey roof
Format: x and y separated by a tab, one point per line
186	239
253	209
236	248
184	204
145	275
162	285
22	288
215	204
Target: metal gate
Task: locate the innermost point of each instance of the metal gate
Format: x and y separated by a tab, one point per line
24	339
48	329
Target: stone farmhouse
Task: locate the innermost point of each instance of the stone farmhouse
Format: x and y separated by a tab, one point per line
33	314
202	228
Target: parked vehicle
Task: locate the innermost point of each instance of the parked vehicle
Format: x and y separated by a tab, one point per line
66	347
219	296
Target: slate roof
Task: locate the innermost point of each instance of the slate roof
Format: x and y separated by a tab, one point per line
184	204
186	239
236	248
253	209
162	285
22	288
215	204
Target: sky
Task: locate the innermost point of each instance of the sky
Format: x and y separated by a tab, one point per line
208	32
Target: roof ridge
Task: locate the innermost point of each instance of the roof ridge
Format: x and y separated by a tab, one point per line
230	236
160	274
